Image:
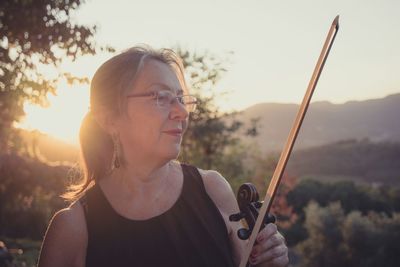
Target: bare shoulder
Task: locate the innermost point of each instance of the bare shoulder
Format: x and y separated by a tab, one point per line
66	238
219	191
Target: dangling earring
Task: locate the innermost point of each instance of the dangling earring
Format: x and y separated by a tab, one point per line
116	160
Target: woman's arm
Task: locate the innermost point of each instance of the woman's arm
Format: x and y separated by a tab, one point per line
270	248
222	195
66	239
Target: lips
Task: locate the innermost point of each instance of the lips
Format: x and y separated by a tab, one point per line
174	132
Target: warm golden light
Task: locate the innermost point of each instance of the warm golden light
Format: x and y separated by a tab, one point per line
63	117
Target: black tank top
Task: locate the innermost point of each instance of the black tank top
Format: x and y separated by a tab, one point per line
191	233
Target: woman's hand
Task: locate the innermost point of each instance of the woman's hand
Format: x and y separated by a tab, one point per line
270	248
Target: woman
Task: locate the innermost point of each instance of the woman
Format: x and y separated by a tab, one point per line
137	206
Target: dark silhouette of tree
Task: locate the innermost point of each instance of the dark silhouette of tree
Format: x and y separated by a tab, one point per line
29	195
33	34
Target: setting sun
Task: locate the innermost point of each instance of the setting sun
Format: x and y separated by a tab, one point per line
62	118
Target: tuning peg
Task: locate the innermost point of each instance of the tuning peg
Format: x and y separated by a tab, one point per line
237	216
243	233
269	218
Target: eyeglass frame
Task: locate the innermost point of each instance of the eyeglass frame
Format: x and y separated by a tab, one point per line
179	98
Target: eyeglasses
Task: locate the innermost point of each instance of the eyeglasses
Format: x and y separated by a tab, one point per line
165	99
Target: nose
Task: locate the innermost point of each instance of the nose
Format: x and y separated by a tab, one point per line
178	111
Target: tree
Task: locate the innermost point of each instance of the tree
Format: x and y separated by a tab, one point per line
210	141
372	240
336	239
351	196
35	33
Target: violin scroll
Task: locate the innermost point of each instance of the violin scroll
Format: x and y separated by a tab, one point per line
249	205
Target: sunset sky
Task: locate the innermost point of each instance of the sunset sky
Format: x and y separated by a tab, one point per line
272	47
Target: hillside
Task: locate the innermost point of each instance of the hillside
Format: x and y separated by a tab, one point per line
361	161
375	119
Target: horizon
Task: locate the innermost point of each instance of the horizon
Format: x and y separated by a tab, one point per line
75	142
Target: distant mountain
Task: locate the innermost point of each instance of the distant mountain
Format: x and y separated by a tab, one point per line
361	161
375	119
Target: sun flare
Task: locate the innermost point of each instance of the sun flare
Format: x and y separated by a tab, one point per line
63	117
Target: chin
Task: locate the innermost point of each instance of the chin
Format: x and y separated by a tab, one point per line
172	153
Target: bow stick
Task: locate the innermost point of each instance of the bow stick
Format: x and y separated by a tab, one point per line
276	178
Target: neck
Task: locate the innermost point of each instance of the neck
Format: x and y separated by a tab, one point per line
141	177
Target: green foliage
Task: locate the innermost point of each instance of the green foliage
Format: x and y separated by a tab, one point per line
336	239
350	196
325	246
35	34
373	239
305	191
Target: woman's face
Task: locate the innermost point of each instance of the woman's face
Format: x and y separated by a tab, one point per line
149	131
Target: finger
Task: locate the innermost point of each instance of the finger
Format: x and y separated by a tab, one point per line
269	255
274	240
281	261
268	231
266	242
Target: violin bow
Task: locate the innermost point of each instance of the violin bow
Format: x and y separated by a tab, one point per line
277	176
